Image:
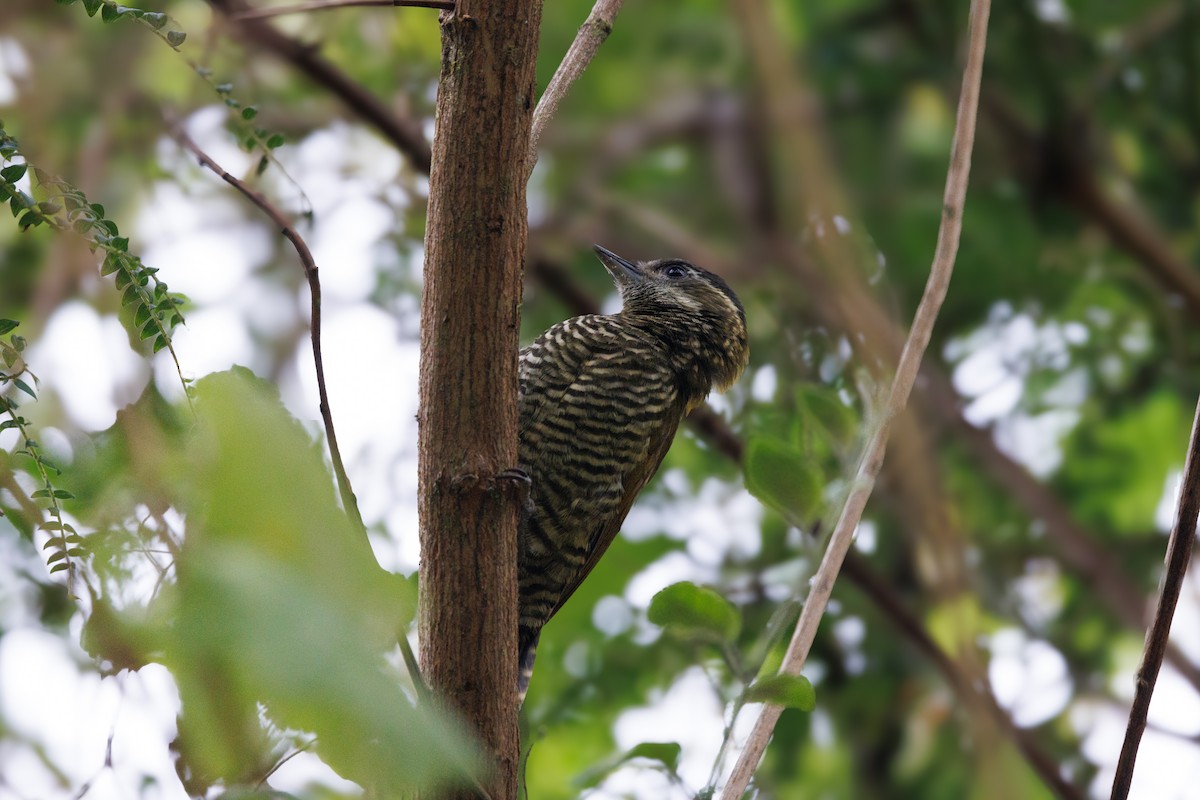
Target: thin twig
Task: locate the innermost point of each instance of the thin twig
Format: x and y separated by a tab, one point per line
349	502
906	374
404	132
1179	552
592	33
325	5
314	285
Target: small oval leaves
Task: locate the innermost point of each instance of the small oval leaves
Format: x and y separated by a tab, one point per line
783	478
693	611
13	172
789	691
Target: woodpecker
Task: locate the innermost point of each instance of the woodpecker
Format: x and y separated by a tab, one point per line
601	397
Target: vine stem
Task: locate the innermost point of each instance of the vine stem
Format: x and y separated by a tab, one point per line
1179	553
349	502
949	231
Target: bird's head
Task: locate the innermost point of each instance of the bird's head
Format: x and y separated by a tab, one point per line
690	309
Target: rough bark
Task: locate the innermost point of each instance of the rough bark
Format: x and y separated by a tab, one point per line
474	248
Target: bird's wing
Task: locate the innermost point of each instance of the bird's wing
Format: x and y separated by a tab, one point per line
657	443
618	405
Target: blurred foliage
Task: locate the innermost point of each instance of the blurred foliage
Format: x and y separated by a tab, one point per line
1023	500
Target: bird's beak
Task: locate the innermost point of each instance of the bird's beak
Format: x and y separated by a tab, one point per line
623	271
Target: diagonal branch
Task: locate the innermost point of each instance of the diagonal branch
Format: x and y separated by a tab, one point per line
403	132
906	375
592	33
859	571
326	5
1179	553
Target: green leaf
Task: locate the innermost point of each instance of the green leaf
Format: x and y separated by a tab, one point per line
693	611
823	403
63	565
275	141
249	113
666	753
278	600
13	172
24	387
175	38
18	343
160	343
155	19
7	325
63	494
789	691
109	12
783	478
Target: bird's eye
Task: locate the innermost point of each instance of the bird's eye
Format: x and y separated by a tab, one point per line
675	271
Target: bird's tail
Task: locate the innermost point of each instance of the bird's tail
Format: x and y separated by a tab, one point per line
527	641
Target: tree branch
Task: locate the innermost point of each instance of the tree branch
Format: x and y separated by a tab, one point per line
326	5
906	374
404	133
592	33
862	575
1179	553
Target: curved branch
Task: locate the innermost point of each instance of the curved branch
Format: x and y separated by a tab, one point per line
314	285
404	133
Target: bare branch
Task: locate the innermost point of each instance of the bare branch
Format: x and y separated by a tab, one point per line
592	33
1179	553
325	5
349	502
859	571
403	132
906	374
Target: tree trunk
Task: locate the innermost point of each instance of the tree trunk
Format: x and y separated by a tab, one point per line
474	250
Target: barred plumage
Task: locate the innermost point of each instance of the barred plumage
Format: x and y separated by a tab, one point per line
601	397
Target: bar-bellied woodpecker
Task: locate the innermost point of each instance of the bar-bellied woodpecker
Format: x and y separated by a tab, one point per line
601	397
